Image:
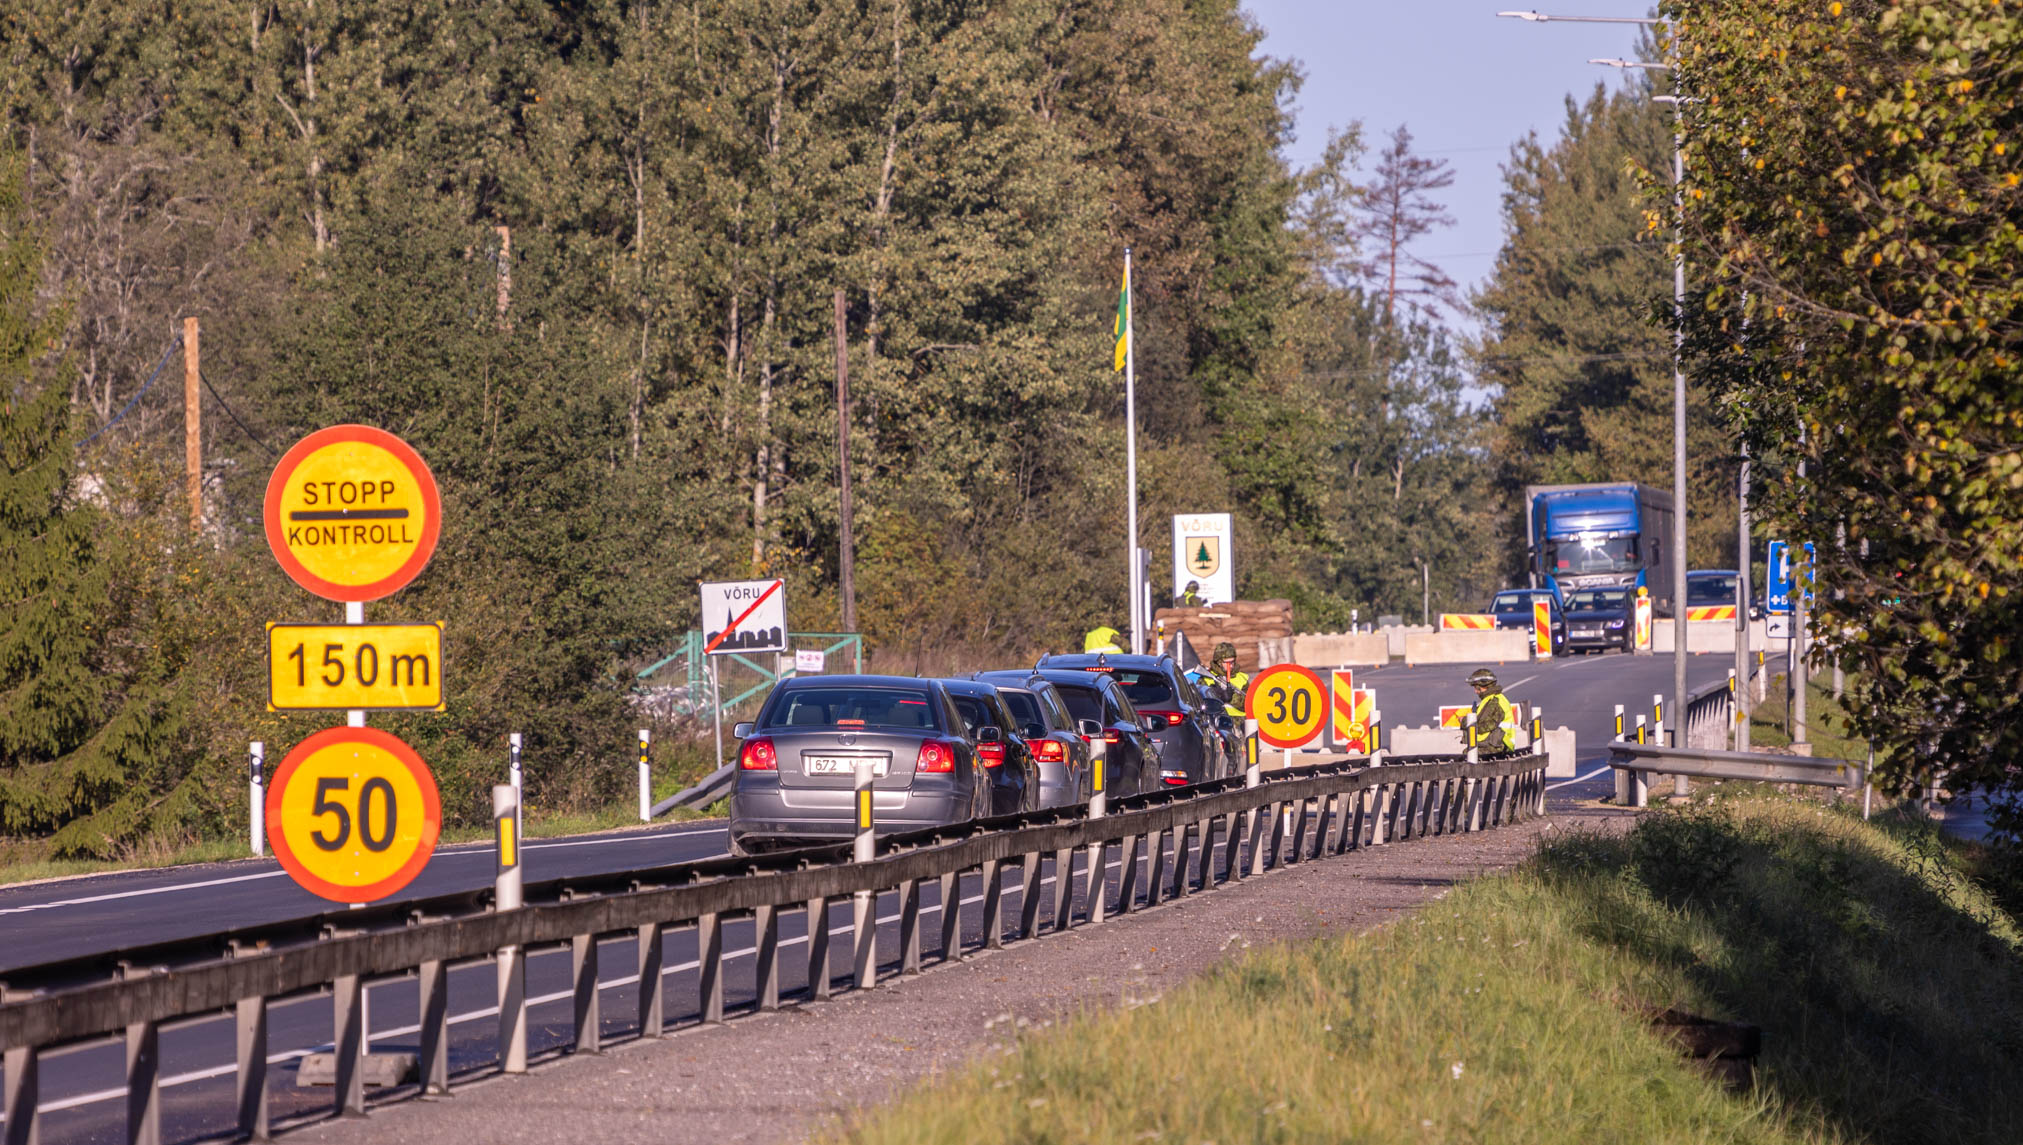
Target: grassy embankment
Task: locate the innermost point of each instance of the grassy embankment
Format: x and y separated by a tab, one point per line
27	860
1888	983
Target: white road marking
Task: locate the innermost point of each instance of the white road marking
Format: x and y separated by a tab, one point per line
459	850
1577	779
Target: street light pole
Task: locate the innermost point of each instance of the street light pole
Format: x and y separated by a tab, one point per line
1138	617
1678	539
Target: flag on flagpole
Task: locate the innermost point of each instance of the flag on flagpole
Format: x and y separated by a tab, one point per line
1122	330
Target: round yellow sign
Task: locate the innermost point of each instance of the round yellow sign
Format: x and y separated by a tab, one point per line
353	814
352	513
1289	704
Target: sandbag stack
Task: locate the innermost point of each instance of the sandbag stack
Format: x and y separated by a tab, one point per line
1243	623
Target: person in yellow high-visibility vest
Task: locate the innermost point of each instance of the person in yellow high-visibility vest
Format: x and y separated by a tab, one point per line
1102	639
1495	716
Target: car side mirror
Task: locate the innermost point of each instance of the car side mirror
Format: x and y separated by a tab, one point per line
1089	729
989	734
743	730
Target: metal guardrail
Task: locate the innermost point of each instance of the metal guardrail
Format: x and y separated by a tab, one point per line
1294	815
1639	759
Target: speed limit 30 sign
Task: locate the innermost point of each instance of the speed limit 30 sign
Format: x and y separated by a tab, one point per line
1290	705
353	814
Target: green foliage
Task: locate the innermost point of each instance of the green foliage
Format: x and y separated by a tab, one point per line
1583	361
1852	182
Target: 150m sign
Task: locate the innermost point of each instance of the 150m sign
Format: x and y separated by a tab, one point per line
354	666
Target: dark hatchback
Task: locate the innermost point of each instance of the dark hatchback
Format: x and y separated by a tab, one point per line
1007	759
1512	609
1190	741
1599	619
1059	752
796	774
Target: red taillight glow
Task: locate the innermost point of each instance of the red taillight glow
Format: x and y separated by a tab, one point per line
758	755
1049	750
1112	735
935	756
992	753
1175	780
1172	718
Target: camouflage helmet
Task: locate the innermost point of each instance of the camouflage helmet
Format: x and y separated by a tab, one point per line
1223	651
1482	678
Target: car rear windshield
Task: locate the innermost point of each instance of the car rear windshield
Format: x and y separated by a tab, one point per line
1595	600
855	707
975	713
1146	689
1514	602
1710	590
1083	703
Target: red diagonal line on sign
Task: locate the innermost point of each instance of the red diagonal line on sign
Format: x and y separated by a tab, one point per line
711	646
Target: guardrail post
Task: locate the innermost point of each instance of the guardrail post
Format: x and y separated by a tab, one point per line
1155	865
507	895
1178	889
433	987
864	932
993	904
951	917
250	1086
144	1083
819	974
766	922
1029	894
1064	888
23	1096
583	973
1204	862
347	999
652	984
909	926
1127	877
1096	900
1232	847
709	958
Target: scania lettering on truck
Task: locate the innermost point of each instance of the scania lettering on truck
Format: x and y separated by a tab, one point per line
1600	536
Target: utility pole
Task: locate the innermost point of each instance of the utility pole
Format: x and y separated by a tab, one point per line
1137	591
1742	593
1679	621
846	544
193	425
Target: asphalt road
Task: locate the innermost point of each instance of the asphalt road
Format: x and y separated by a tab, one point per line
67	918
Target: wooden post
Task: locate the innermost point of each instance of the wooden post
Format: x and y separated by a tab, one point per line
505	275
193	425
846	544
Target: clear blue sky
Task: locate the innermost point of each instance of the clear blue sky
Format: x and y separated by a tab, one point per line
1467	83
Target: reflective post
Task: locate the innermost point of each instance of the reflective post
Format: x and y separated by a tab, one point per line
256	804
645	776
513	777
863	849
1099	754
507	894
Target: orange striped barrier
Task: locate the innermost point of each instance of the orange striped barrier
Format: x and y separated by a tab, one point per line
1353	708
1451	715
1465	621
1711	612
1541	629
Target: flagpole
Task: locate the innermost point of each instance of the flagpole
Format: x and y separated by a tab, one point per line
1138	617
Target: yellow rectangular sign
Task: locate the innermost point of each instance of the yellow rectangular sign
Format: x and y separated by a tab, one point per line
354	666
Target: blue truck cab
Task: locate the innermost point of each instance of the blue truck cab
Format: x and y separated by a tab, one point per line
1611	535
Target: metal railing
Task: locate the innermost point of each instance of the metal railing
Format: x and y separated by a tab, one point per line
1292	816
1638	758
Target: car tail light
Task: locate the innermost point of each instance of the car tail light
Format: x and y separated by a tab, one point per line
1049	751
934	756
992	753
1112	736
1174	778
758	755
1173	719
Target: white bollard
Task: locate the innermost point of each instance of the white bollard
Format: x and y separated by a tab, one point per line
645	777
255	768
513	778
863	849
508	894
1376	738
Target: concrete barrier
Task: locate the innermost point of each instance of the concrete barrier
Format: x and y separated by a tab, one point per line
1493	646
1559	746
1705	635
1394	636
1340	649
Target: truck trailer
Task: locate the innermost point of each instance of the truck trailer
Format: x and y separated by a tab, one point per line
1606	535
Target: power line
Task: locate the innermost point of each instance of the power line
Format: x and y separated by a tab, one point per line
243	428
128	407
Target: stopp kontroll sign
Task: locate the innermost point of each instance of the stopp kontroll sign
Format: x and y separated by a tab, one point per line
352	513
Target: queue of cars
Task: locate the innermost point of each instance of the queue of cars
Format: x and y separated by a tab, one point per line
1598	619
942	751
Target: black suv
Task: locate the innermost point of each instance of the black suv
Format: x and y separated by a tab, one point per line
1187	732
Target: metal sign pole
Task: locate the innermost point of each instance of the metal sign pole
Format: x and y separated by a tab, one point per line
1131	459
716	711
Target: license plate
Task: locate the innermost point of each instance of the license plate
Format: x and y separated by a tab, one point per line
841	765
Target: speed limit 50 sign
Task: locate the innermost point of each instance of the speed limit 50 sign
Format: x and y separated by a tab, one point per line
1289	703
353	814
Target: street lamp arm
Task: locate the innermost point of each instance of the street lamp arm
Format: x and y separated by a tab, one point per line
1542	18
1609	63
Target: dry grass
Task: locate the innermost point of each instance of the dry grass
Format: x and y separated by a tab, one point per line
1887	983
